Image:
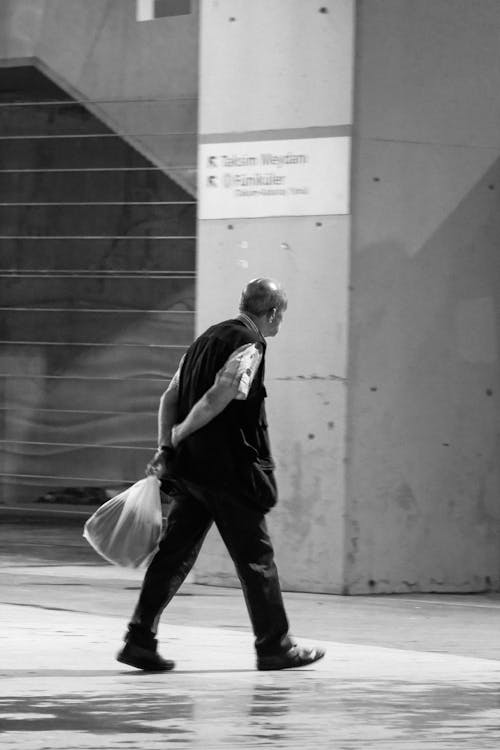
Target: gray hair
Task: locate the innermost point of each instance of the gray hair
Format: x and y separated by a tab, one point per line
262	295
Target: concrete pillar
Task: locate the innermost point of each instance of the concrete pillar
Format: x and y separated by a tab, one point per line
424	378
277	78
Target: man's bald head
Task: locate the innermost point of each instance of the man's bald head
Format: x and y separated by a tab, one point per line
261	296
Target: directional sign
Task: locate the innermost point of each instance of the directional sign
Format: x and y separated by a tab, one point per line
300	177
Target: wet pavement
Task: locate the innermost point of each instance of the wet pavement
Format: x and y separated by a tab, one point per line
401	673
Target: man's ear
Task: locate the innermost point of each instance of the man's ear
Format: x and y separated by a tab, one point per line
271	314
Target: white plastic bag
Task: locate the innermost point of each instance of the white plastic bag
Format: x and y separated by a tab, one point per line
126	529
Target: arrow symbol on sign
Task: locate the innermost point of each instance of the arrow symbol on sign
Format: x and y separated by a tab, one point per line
211	161
212	181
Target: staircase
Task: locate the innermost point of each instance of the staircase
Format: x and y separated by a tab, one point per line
97	259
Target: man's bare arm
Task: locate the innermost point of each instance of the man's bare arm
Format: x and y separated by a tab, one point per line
167	417
167	414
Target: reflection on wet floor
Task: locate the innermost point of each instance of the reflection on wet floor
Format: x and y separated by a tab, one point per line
61	688
210	710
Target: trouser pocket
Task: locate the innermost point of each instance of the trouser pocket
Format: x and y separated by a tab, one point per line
263	485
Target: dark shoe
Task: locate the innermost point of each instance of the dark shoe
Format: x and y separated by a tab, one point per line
143	658
297	656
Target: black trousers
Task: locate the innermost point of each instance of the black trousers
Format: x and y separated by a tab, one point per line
243	529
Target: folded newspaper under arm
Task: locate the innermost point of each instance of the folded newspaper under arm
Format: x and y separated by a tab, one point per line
126	530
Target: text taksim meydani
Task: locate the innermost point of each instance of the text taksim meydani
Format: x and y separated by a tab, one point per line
258	179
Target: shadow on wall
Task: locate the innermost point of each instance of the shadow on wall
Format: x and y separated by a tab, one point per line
425	393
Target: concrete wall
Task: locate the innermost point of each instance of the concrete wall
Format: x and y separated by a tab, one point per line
417	340
139	78
268	69
424	376
20	25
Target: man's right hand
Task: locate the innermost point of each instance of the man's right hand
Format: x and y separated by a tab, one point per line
161	462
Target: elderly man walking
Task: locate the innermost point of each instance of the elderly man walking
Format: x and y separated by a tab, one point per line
214	445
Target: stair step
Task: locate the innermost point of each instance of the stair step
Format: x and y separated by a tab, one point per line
121	186
74	394
49	119
131	327
110	292
98	220
132	254
90	362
